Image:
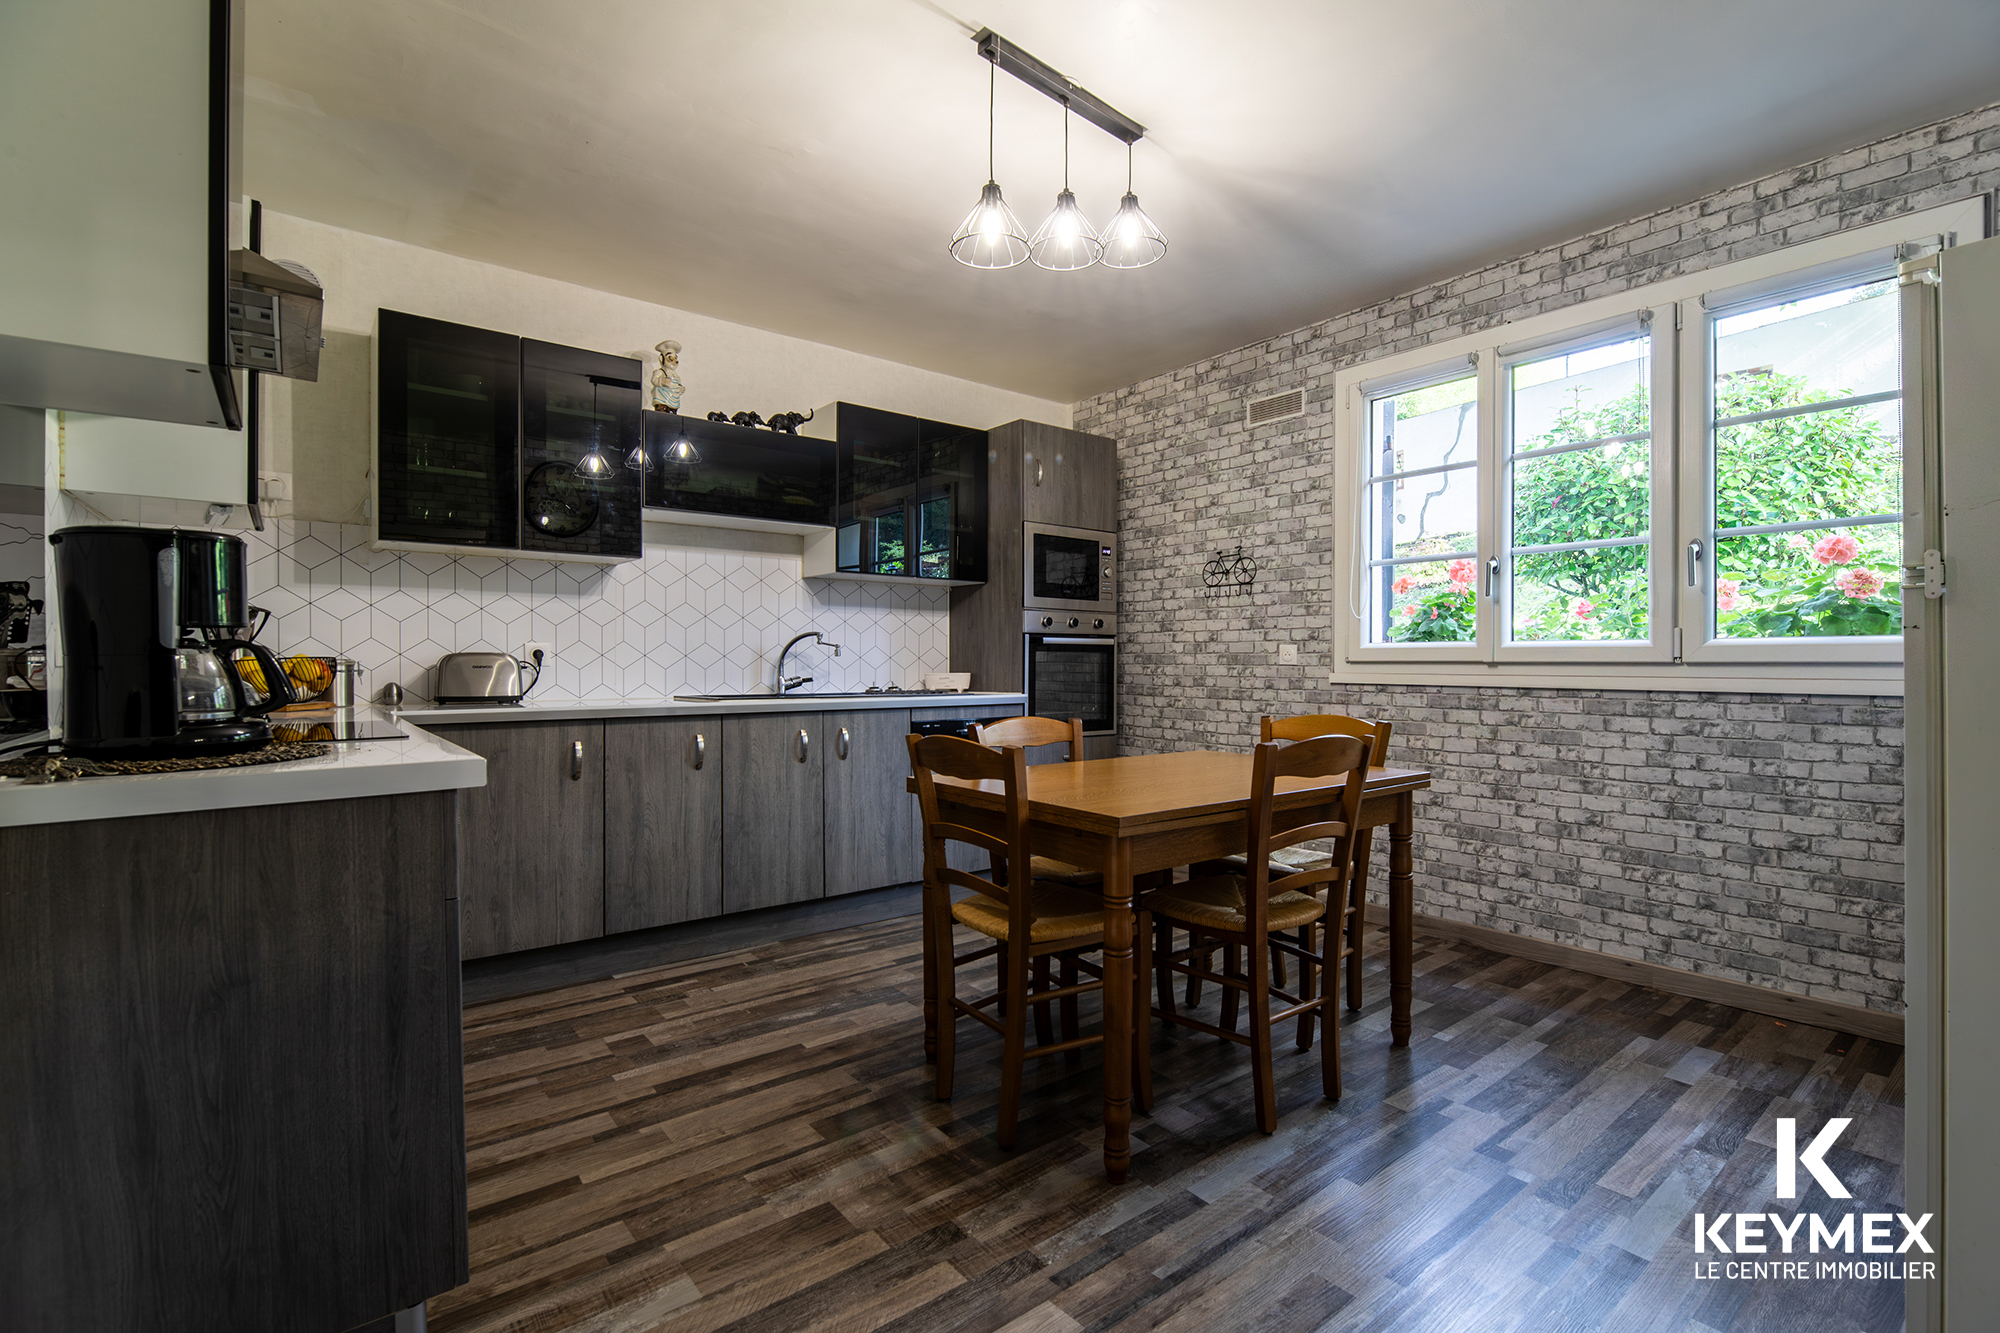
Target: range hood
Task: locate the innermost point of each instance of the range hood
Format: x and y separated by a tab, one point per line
274	316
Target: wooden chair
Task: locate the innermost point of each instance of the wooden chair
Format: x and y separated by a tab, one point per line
1032	731
1251	911
1028	921
1301	728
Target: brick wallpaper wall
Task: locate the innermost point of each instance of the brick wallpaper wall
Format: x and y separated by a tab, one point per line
1754	837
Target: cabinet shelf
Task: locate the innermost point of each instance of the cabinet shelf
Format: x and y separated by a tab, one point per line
450	393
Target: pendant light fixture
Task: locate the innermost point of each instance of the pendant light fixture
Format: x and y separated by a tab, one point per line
594	466
990	236
1131	240
1065	241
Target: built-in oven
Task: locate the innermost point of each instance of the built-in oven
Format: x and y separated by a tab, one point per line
1069	569
1072	674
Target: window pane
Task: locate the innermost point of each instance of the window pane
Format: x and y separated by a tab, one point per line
1839	345
1803	584
1847	463
1435	514
1424	428
1565	596
1583	395
1585	495
1807	466
1427	602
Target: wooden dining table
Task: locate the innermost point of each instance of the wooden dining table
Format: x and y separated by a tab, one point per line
1139	814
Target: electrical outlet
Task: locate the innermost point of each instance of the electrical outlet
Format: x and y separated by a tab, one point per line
531	647
274	486
1288	654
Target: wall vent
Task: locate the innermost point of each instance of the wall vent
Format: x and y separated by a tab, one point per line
1278	407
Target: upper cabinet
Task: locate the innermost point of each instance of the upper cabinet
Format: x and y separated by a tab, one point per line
486	443
1067	478
121	141
716	474
909	499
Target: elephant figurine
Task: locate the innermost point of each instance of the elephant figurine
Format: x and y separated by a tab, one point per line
718	416
788	423
747	419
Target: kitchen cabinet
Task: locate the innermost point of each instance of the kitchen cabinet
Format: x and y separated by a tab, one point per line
773	810
531	841
909	499
1067	478
123	172
662	821
871	819
485	443
715	474
236	1091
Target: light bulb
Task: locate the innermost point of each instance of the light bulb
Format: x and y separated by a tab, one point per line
1134	240
990	236
1065	240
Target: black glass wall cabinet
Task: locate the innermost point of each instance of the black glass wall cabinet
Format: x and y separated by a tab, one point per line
909	499
490	442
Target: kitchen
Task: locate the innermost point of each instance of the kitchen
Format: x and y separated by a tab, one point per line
662	1017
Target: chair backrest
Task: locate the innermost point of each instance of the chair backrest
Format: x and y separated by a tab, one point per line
1321	756
932	757
1306	727
1031	731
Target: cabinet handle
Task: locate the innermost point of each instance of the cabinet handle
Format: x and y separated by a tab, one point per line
805	745
576	761
1038	472
700	749
840	743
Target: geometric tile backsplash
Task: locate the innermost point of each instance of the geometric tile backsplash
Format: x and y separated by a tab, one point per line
683	620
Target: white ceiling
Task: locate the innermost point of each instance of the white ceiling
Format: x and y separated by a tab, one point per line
799	164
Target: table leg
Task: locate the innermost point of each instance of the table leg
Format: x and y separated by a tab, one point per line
1402	927
1118	1015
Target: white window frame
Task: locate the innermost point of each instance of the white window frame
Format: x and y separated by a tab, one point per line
1681	653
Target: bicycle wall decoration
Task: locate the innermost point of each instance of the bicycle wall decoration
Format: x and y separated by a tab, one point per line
1231	574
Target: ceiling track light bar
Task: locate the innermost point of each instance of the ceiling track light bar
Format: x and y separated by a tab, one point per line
1050	83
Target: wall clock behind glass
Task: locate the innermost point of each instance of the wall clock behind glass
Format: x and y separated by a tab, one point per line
559	503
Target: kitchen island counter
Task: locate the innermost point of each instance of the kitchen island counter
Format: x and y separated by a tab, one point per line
419	762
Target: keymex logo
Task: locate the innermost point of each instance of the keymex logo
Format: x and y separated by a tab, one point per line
1765	1233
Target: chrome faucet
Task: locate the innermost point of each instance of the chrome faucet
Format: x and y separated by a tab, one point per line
784	684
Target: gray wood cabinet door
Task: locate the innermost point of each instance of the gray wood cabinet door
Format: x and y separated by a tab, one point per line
773	810
531	841
1068	478
871	819
662	821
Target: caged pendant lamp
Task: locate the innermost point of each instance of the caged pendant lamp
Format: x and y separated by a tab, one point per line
1131	239
991	236
1065	241
594	465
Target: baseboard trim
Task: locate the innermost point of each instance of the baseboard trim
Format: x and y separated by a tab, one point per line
1869	1023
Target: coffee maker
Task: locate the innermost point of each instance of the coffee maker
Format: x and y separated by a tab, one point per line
149	652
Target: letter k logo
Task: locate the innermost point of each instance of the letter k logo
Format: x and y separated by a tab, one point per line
1790	1158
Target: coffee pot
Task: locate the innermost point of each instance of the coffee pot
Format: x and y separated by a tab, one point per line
150	622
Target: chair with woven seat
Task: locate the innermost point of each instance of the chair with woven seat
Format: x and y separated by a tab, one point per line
1251	912
1301	728
1027	920
1029	732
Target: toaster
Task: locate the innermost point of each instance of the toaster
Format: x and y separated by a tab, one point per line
481	678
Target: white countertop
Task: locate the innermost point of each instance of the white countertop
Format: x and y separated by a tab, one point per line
559	710
419	762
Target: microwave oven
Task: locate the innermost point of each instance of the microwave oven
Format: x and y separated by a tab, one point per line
1068	569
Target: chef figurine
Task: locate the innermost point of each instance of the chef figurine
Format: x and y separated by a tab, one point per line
667	379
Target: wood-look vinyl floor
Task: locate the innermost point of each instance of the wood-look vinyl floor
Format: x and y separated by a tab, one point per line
748	1142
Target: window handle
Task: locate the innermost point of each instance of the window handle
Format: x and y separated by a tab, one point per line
1493	577
1694	564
